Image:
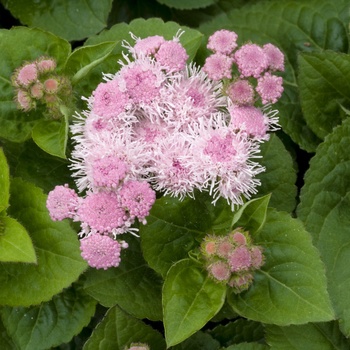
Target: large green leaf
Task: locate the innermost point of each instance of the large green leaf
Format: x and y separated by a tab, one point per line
324	208
190	300
171	231
132	285
294	26
279	178
291	286
312	336
58	255
15	243
187	4
4	182
49	324
16	47
118	330
324	89
72	20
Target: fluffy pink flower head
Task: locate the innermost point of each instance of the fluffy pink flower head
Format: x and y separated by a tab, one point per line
223	41
148	46
249	119
142	84
220	271
218	66
224	248
220	149
62	203
51	85
100	251
275	57
37	91
241	92
137	197
240	259
109	101
172	56
257	257
108	171
24	101
102	212
239	238
46	65
269	88
251	60
27	75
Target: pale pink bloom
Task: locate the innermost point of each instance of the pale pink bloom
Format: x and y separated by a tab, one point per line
137	197
269	88
46	65
220	271
108	100
100	251
36	90
240	259
24	101
224	248
218	66
223	41
275	57
62	203
147	46
172	56
27	75
102	212
251	60
108	171
250	120
239	238
241	92
148	131
257	257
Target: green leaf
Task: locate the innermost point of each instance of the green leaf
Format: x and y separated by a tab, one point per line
198	341
118	330
238	331
51	136
291	286
324	89
324	208
190	300
4	182
187	4
132	285
84	59
278	180
58	255
5	340
49	324
15	243
72	20
16	125
171	231
248	346
295	27
312	336
252	215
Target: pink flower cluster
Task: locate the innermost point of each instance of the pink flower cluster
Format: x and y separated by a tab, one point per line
37	83
255	66
160	124
232	259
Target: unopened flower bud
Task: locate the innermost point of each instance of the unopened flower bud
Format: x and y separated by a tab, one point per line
137	346
26	75
51	85
46	65
241	282
24	101
36	91
220	271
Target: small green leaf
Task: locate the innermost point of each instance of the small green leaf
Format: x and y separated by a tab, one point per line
132	285
312	336
118	330
51	136
190	300
4	182
291	286
84	59
252	215
324	89
49	324
59	262
198	341
187	4
324	208
171	231
73	20
15	243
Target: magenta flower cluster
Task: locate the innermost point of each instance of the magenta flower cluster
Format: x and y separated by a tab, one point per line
37	83
158	124
232	259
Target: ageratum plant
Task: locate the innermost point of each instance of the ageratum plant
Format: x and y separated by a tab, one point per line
174	183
